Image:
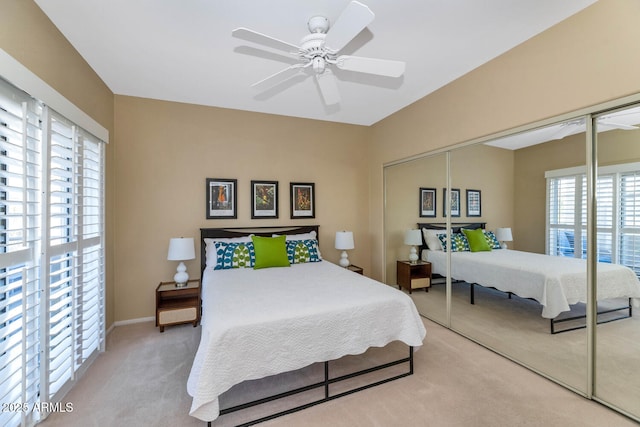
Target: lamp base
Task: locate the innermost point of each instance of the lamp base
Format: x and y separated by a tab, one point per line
181	277
413	255
344	259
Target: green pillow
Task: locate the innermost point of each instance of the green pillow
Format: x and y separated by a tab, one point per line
270	251
477	241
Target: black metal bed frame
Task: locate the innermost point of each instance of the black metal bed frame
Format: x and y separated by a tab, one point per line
556	321
326	383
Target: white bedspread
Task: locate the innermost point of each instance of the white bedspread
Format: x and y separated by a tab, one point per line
257	323
553	281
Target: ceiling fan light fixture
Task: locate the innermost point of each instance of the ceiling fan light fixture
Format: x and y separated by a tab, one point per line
318	24
319	64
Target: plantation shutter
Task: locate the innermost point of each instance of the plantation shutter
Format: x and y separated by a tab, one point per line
75	252
606	211
61	262
561	217
20	179
51	255
617	214
629	245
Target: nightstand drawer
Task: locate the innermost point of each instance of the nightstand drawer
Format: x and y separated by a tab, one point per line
423	282
178	315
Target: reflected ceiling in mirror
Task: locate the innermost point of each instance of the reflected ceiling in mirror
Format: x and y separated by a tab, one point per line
623	120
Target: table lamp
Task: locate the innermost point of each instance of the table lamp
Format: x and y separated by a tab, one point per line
413	238
344	242
504	235
181	249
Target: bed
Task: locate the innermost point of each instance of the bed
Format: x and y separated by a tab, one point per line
260	322
554	282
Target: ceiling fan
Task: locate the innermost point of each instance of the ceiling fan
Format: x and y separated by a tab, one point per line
318	51
605	123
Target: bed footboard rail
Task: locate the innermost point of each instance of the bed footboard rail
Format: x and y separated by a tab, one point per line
325	383
629	313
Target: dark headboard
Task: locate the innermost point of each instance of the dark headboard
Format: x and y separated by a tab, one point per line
212	233
455	227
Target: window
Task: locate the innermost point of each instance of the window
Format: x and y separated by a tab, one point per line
51	254
617	214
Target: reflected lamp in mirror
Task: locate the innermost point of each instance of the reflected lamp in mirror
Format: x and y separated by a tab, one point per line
344	242
181	249
504	235
413	238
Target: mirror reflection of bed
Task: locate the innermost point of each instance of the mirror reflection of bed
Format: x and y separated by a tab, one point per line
514	194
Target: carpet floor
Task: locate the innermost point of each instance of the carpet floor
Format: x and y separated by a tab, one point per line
514	327
140	380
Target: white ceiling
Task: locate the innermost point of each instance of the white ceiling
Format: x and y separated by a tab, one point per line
183	51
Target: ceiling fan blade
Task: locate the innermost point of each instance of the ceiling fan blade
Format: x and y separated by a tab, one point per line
353	19
278	77
381	67
569	128
263	39
328	87
613	125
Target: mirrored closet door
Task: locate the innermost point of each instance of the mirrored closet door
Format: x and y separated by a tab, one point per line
413	192
505	298
532	191
617	247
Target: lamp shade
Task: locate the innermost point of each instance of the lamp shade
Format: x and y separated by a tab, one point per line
181	249
413	237
344	240
504	234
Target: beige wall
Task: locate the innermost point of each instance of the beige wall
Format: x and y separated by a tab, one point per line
166	151
583	61
28	36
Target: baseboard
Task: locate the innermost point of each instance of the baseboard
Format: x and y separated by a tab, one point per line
132	321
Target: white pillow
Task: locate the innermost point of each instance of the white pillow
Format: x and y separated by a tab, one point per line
431	237
211	255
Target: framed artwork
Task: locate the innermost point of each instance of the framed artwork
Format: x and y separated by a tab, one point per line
427	202
455	202
221	198
474	203
303	203
264	199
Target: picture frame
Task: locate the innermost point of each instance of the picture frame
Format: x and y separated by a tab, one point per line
264	199
222	194
455	202
427	202
474	203
303	204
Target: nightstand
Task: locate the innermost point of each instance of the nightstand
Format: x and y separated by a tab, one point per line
413	275
355	269
175	305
